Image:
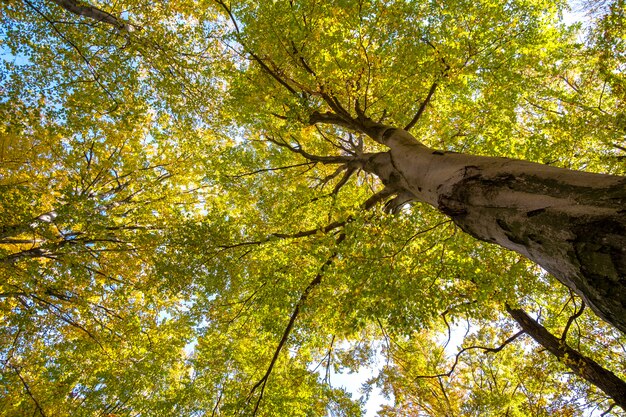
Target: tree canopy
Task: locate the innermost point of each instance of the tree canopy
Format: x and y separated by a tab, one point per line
210	208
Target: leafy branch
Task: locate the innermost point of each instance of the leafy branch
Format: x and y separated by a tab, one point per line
92	70
28	391
368	204
262	383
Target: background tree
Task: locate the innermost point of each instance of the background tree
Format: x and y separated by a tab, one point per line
276	247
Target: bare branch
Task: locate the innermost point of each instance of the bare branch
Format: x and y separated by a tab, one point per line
96	14
315	158
422	106
486	349
258	171
571	320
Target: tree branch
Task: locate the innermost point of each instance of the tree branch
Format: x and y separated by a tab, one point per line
95	13
581	365
294	315
571	320
368	204
258	171
332	118
90	68
298	54
330	351
608	410
296	235
28	391
422	106
486	349
254	56
315	158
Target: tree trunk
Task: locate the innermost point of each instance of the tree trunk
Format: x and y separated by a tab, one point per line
571	223
581	365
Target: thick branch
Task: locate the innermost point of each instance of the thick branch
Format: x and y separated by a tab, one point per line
333	119
94	13
362	124
581	365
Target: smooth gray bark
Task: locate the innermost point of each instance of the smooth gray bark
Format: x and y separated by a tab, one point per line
99	15
571	223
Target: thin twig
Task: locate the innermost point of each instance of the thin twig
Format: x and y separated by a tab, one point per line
571	320
422	106
484	348
258	171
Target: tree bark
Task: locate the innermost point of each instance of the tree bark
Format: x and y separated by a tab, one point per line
571	223
99	15
581	365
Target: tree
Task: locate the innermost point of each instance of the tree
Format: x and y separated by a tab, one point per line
570	223
263	106
489	371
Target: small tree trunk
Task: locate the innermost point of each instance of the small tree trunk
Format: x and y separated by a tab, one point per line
581	365
571	223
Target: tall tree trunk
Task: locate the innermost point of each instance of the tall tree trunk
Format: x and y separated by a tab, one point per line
571	223
581	365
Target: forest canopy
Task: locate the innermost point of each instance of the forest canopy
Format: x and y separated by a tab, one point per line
212	207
